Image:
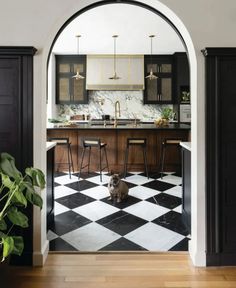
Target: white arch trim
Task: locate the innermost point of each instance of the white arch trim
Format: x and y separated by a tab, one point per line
198	237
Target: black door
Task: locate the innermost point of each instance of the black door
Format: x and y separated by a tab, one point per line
16	121
221	155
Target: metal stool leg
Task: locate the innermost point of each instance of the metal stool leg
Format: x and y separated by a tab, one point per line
126	161
72	165
68	156
82	160
145	161
163	160
100	163
89	158
105	150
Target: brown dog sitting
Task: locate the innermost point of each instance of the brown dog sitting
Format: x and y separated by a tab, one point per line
118	189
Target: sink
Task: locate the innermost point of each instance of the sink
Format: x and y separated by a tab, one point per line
120	122
108	124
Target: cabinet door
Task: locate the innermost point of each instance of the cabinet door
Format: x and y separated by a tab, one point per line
151	86
70	90
78	86
64	89
78	91
165	89
165	68
158	90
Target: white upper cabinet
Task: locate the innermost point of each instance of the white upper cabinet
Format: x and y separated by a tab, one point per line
130	69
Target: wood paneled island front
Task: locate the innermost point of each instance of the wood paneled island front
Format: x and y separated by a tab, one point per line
116	138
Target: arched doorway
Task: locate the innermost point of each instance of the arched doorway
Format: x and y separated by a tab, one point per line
198	241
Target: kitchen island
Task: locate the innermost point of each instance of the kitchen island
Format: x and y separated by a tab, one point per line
116	138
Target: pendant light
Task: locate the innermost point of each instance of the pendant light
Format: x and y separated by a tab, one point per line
151	75
77	76
114	77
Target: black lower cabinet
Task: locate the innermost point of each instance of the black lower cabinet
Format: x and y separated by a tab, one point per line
50	186
16	122
221	155
186	188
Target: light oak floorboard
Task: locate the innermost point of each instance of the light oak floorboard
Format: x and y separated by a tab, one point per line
118	270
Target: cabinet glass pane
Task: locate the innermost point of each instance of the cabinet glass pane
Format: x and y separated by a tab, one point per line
166	68
154	68
64	90
64	68
151	86
79	67
78	89
166	89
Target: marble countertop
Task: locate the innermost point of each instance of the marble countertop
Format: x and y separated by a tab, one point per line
99	126
186	145
50	145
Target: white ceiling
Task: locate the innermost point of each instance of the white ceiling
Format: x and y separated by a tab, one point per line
133	24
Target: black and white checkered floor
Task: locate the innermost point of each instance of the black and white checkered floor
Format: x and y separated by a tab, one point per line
150	219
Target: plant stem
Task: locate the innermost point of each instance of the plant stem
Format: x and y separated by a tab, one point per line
8	201
10	229
2	186
4	196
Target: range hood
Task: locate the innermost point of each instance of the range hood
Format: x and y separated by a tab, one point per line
129	67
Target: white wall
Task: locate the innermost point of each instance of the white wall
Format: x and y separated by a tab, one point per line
209	23
96	27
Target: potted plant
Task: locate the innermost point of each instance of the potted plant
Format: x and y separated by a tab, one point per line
166	115
16	192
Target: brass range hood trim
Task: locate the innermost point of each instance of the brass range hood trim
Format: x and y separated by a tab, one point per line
116	87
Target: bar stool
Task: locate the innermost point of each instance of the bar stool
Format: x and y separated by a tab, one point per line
96	143
64	142
142	142
168	142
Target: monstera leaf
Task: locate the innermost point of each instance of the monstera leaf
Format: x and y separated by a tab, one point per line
16	191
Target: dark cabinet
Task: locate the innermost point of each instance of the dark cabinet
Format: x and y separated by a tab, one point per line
50	186
16	122
70	90
220	155
158	90
181	87
186	187
181	75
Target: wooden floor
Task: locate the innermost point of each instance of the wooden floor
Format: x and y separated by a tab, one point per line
119	271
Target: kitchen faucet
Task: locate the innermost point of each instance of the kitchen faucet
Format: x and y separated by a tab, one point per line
117	110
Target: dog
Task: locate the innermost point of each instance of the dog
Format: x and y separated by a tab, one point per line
118	189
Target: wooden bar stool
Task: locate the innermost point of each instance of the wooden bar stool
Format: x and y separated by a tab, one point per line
168	142
64	142
89	143
142	142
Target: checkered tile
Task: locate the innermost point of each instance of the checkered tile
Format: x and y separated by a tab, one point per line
149	219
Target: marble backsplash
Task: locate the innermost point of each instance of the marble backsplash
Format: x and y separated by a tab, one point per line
103	102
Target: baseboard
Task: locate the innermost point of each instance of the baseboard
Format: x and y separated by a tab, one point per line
39	258
221	259
198	258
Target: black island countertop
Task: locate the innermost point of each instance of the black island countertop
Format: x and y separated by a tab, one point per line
120	126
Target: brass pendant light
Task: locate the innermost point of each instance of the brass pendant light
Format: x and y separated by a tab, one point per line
77	76
151	75
114	77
